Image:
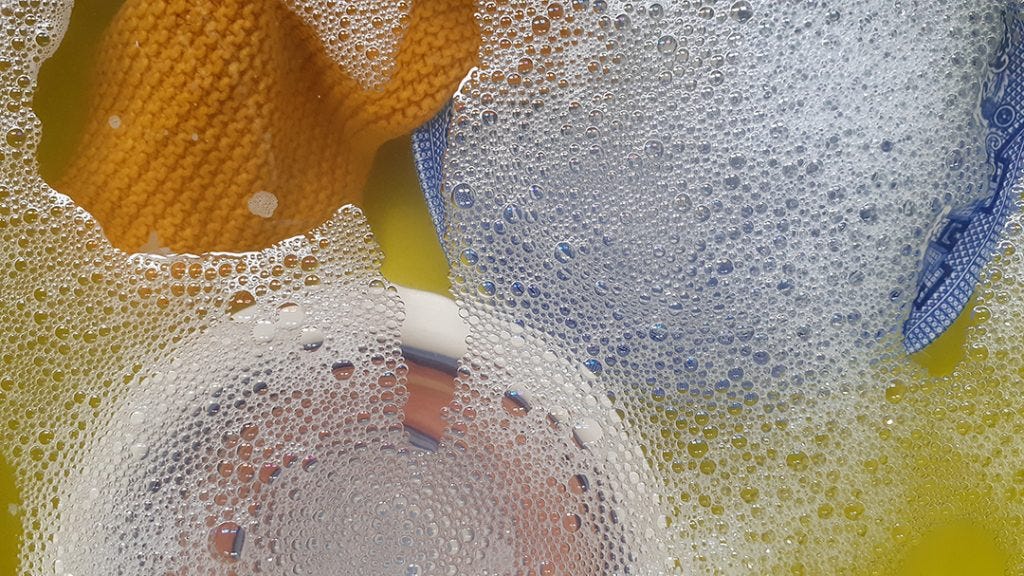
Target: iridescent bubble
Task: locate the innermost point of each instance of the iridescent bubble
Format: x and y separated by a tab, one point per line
741	11
667	44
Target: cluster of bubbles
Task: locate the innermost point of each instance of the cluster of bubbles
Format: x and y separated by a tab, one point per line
360	36
708	182
245	414
685	234
719	209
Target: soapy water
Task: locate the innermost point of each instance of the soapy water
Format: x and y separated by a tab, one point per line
221	459
685	236
721	210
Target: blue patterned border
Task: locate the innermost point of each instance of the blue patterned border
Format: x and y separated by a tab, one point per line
964	243
429	143
965	240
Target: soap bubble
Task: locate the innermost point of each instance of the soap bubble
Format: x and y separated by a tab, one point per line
686	236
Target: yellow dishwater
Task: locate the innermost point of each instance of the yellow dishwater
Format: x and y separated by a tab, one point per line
10	523
956	548
394	206
944	521
956	543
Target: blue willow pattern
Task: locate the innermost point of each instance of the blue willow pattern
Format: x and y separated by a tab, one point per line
964	243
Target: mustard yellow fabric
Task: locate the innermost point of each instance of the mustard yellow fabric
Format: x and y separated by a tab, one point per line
196	106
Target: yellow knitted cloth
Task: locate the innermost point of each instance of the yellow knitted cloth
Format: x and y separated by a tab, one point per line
198	106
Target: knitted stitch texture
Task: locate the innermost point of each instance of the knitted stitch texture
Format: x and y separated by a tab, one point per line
198	105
